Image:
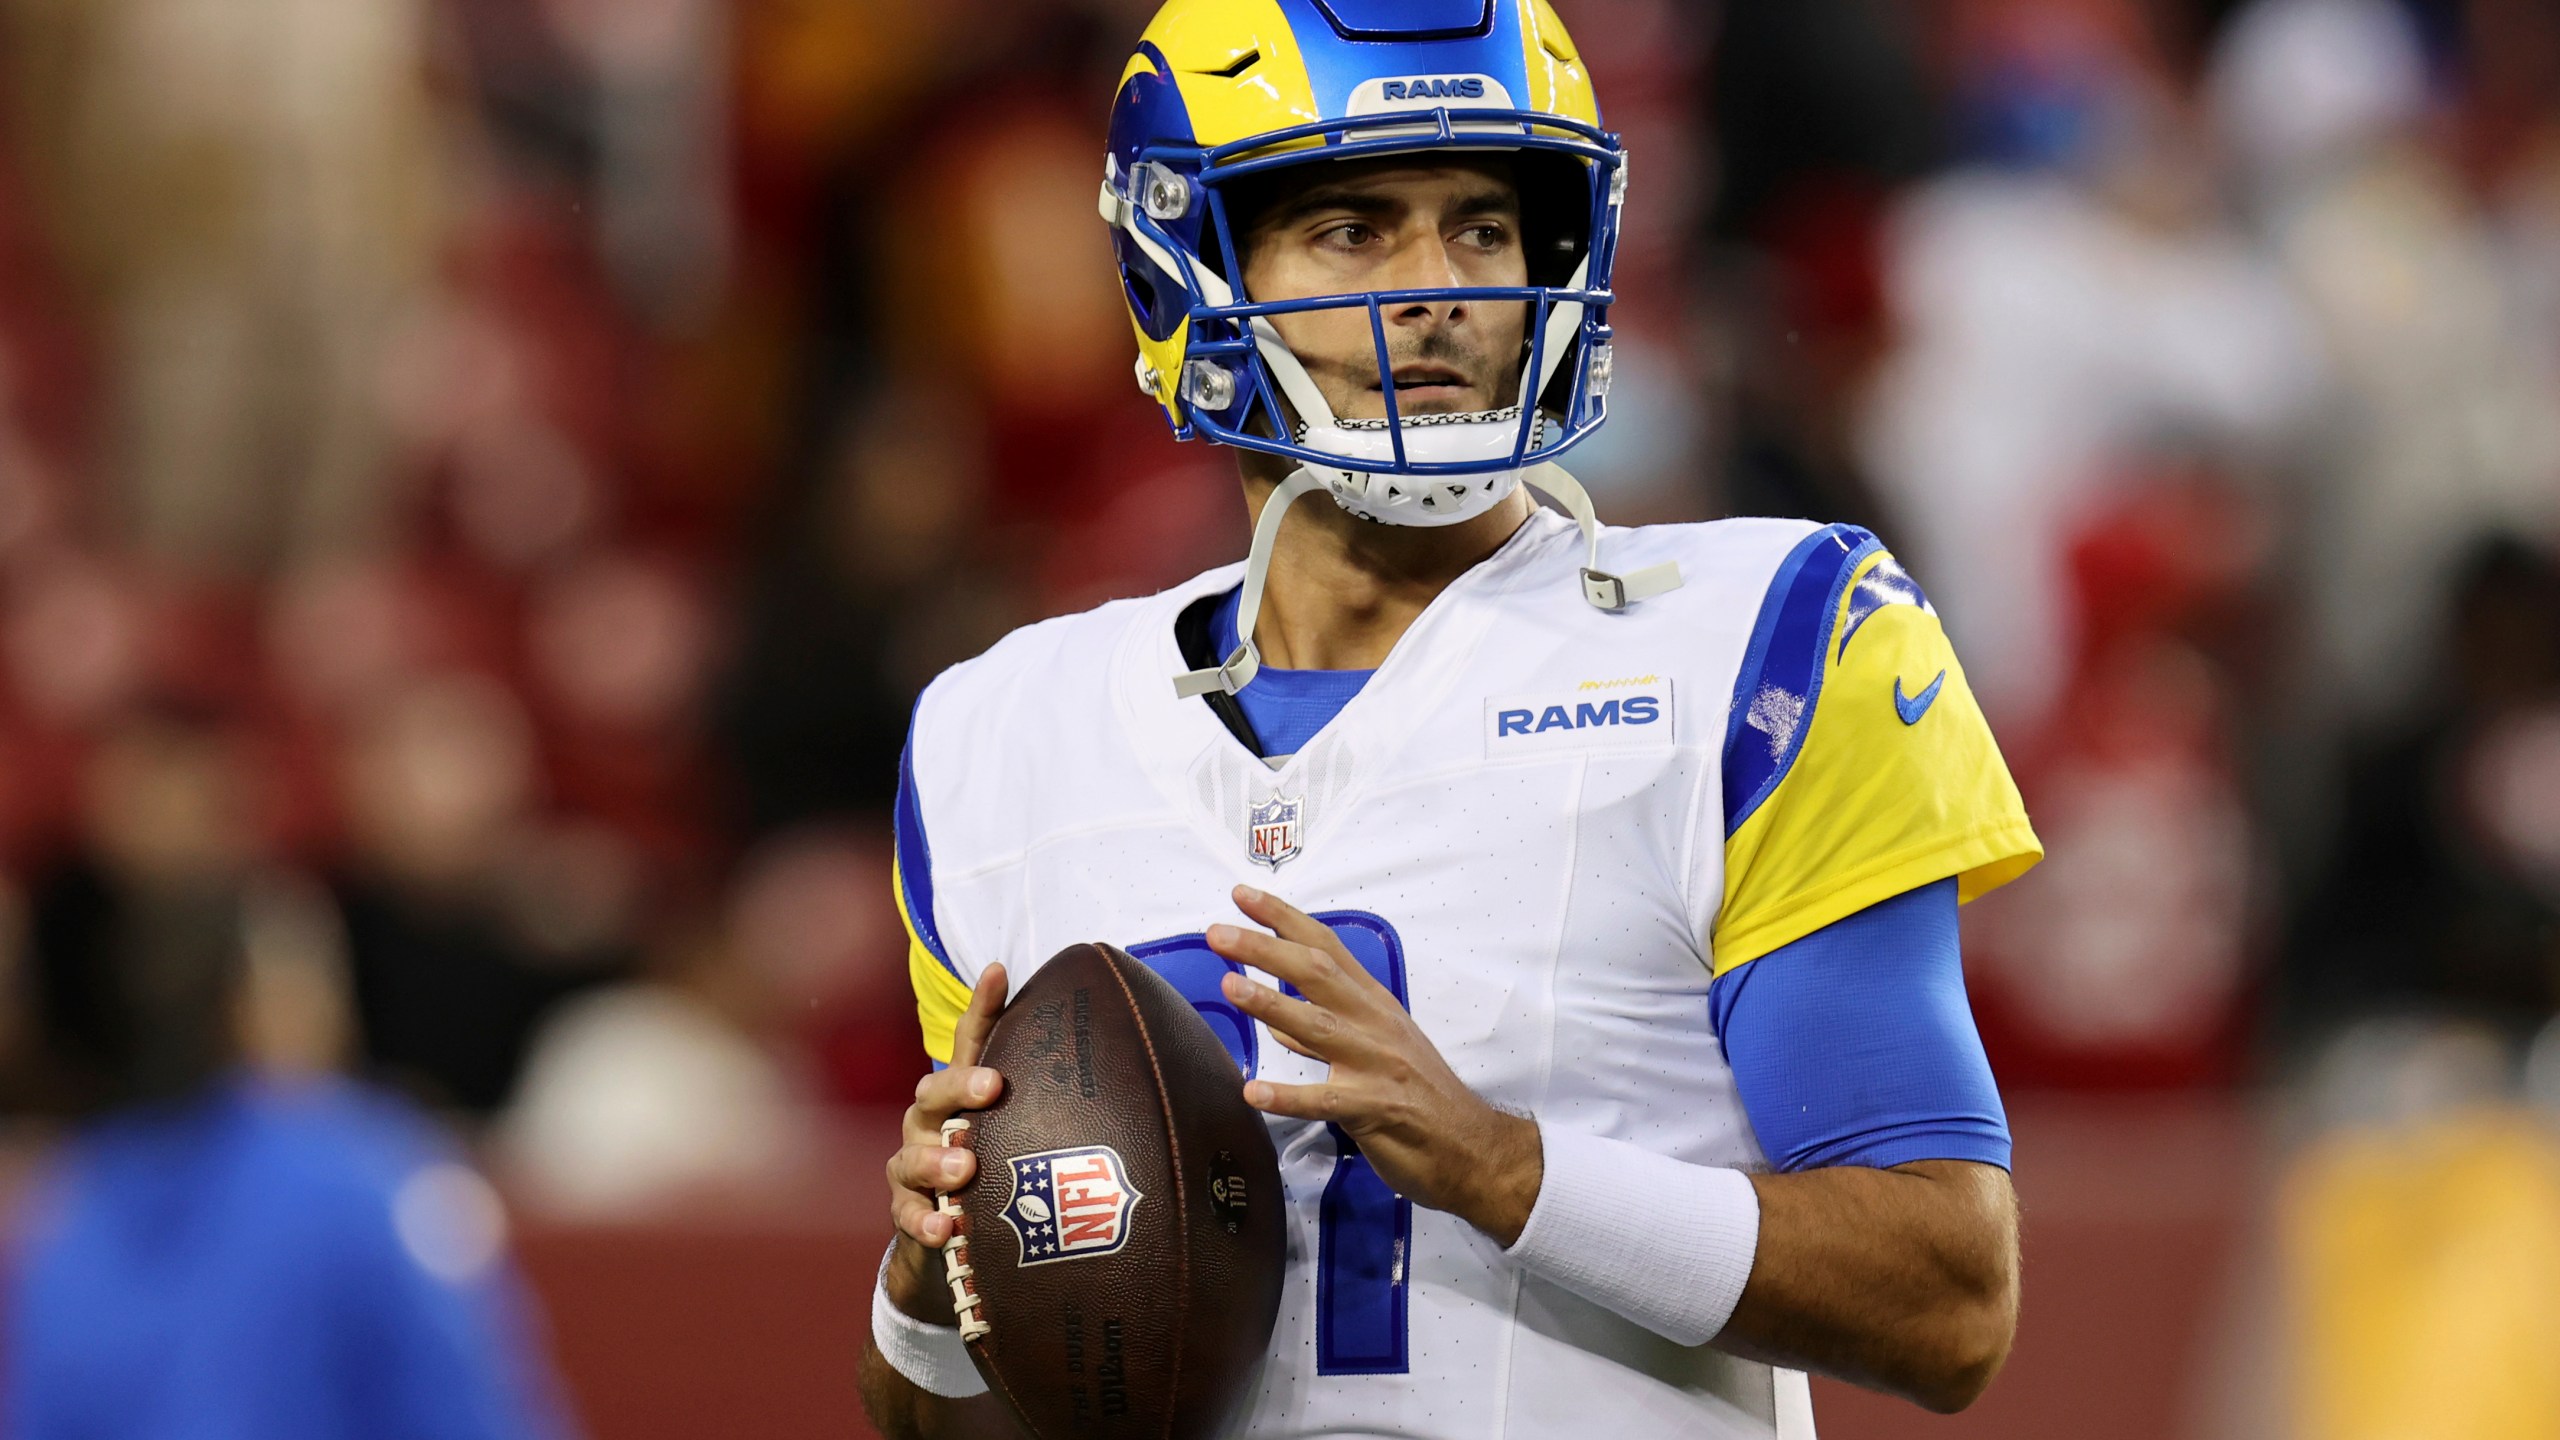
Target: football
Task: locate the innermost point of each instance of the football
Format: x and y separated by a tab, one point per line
1119	1255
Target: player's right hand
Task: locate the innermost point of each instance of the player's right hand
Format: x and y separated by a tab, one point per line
923	1164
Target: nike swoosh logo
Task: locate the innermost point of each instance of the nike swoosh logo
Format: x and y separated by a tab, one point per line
1912	707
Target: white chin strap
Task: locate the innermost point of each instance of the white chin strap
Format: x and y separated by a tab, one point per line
1246	661
1603	589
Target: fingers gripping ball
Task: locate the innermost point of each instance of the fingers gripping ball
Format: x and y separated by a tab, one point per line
1117	1260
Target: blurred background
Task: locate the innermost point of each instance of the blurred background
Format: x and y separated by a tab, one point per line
483	481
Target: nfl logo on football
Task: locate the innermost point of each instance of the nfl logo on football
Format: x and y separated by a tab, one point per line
1272	831
1070	1204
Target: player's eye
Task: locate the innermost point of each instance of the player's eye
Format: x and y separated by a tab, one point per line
1486	237
1350	234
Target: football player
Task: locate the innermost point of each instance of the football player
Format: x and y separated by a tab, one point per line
1613	1035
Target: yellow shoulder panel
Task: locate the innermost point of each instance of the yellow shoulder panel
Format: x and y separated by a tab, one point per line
940	997
1895	783
940	1000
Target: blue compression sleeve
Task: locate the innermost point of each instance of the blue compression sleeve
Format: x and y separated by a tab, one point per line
1855	1045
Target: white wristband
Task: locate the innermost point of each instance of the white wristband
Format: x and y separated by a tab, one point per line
1662	1242
932	1356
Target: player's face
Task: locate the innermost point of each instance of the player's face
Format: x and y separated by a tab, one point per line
1399	224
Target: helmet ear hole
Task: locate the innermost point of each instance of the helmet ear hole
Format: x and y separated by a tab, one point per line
1157	299
1246	201
1555	214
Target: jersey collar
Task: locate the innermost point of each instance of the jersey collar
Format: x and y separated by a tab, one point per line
1182	745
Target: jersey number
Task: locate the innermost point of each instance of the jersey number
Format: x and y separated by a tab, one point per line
1364	1230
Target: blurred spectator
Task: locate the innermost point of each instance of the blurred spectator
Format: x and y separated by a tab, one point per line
30	485
2444	422
231	1241
675	1087
19	1061
813	916
1820	111
2443	892
76	639
655	1092
2419	1235
617	646
886	583
2130	961
2065	302
250	192
169	836
47	379
466	920
659	71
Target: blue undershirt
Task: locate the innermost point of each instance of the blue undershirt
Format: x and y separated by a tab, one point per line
1287	707
1852	1046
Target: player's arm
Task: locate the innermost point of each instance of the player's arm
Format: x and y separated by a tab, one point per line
1863	798
1902	1278
902	1407
1887	1248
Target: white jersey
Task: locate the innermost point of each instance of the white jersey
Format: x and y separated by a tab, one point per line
1524	825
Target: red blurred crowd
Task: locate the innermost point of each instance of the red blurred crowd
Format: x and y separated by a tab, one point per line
492	475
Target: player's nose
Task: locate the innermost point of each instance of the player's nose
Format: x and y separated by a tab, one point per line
1425	265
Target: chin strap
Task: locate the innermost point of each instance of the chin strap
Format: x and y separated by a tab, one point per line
1600	587
1241	666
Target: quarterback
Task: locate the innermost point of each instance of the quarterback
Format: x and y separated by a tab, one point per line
1612	1033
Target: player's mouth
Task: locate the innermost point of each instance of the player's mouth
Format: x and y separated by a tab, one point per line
1429	383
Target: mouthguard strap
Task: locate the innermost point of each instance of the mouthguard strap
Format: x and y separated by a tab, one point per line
1246	661
1603	589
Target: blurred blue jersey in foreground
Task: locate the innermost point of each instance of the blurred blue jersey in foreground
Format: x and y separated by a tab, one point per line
269	1262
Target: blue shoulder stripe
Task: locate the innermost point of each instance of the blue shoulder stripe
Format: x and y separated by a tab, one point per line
1781	678
1887	584
915	859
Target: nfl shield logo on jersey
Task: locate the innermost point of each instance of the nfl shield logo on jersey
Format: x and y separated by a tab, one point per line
1070	1204
1271	831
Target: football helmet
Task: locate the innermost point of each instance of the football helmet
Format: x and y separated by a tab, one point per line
1225	93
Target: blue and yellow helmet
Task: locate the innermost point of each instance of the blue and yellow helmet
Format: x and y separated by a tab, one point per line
1222	91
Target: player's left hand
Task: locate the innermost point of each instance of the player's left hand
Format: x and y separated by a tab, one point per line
1436	1142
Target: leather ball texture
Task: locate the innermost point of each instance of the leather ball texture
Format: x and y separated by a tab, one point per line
1125	1232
